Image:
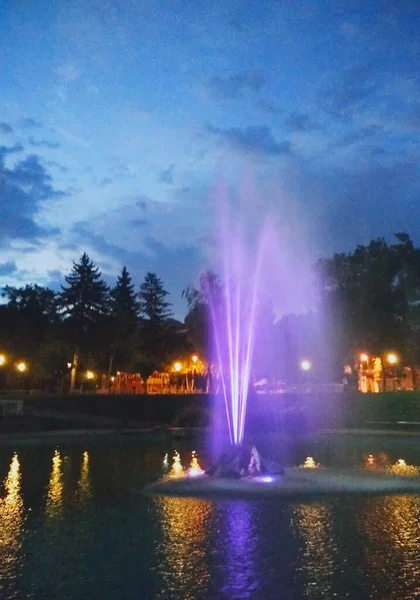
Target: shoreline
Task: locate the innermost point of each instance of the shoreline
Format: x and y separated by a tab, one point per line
167	433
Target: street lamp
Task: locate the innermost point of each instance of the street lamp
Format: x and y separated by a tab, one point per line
364	358
392	358
21	367
305	365
90	375
3	360
177	367
194	358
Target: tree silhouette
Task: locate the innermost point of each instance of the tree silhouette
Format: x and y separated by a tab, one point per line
85	304
123	322
152	300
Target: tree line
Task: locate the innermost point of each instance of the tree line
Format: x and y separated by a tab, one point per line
367	300
91	325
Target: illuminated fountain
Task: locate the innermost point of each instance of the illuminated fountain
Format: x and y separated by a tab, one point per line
245	245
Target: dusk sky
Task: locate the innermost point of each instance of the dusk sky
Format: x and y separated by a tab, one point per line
118	118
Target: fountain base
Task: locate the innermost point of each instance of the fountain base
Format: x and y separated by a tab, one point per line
296	484
240	462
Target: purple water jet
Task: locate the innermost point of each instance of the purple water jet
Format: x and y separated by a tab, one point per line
234	309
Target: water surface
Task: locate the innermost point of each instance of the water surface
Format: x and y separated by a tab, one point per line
73	525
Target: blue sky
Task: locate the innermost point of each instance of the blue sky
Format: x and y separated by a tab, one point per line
117	119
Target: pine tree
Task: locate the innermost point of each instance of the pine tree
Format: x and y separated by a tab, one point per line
123	322
85	300
153	306
124	305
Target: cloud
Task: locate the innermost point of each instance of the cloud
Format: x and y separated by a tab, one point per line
106	181
353	90
167	175
23	190
252	140
7	268
5	150
300	122
29	123
177	264
232	87
5	127
268	107
69	72
412	116
43	143
356	136
54	163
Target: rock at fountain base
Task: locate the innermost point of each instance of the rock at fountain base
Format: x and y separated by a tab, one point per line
241	462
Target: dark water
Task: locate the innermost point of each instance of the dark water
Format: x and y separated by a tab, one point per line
73	526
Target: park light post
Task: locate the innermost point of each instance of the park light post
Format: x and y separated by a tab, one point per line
392	359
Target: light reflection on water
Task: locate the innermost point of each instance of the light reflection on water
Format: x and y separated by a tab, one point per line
54	503
314	524
11	526
183	568
392	549
84	540
84	484
241	579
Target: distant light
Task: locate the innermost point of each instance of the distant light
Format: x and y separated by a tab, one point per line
2	360
21	367
90	375
401	462
392	358
194	358
305	365
69	365
364	357
113	378
177	366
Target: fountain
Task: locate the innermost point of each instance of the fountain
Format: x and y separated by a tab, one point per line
234	309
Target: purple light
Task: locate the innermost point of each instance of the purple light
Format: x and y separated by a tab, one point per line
235	314
266	479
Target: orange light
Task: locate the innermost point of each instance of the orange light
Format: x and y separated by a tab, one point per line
2	360
364	357
194	358
177	367
21	367
90	375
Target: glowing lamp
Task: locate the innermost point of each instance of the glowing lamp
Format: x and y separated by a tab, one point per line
305	365
21	367
364	357
177	367
69	365
112	379
392	358
194	358
90	375
2	360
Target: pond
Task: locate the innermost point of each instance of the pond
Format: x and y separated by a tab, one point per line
74	525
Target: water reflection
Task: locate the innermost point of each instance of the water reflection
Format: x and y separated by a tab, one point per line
84	485
182	569
314	523
391	526
240	545
55	488
11	525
